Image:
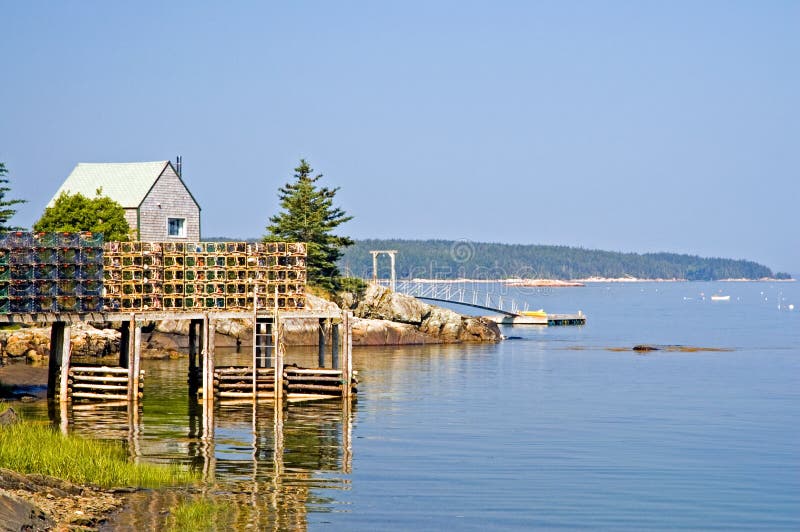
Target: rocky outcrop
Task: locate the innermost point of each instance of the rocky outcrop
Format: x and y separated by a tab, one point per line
442	324
384	332
34	342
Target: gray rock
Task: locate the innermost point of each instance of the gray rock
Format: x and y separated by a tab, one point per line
11	480
17	515
380	303
9	417
53	483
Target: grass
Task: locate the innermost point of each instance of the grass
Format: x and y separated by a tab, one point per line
30	448
318	291
200	515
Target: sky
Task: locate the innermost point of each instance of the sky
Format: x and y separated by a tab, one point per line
619	125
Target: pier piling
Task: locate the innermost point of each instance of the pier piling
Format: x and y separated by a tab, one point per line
334	346
322	347
124	344
57	334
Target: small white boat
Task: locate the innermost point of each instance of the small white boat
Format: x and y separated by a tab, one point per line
720	298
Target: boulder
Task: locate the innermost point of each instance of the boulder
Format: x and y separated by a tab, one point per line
383	332
161	341
234	328
300	332
35	355
318	303
445	326
380	303
34	342
173	327
19	343
8	417
87	340
480	330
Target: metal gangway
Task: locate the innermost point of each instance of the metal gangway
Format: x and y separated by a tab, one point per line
465	293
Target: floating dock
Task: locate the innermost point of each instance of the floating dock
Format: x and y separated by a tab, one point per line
547	319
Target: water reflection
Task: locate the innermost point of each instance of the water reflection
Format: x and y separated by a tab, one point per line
272	463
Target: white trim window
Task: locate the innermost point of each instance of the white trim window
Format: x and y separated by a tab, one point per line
176	227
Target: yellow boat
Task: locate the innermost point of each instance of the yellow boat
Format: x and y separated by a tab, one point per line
534	313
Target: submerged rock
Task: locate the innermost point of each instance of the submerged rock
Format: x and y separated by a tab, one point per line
643	347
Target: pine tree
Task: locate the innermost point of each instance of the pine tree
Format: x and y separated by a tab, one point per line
6	210
308	215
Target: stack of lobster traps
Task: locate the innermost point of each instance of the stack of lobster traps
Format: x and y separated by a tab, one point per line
204	275
174	274
76	272
51	272
286	274
133	274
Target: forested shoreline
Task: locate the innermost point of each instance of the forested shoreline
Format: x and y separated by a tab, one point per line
452	259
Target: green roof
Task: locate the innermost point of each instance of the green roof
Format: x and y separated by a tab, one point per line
125	183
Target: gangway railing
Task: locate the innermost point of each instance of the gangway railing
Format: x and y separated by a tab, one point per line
462	294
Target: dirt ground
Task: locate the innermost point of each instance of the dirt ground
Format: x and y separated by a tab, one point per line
21	374
23	381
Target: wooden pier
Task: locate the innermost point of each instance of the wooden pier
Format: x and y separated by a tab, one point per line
269	378
65	278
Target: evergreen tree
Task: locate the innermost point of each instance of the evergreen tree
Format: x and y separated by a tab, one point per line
308	215
76	212
6	206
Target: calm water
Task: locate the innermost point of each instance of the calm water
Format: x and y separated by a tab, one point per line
552	429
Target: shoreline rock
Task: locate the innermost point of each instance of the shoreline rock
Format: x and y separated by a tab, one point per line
33	343
439	324
39	502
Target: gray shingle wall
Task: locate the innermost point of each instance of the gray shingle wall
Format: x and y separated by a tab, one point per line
130	217
168	198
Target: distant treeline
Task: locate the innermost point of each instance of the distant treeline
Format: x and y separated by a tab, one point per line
447	259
